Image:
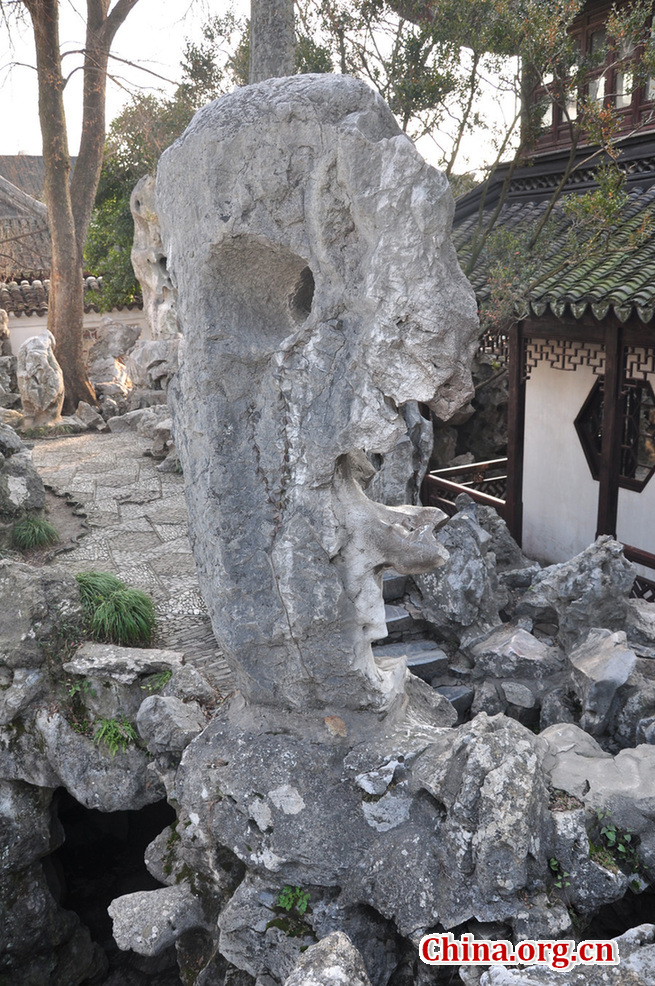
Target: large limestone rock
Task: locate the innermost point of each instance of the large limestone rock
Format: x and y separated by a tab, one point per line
334	961
21	487
106	359
40	381
590	590
318	292
149	263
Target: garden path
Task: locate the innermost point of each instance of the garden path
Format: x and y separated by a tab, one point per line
137	521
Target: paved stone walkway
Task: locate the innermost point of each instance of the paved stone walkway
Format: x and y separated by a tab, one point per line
137	522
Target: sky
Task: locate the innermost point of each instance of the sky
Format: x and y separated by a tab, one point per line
153	36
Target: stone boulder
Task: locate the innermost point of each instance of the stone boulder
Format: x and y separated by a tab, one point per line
149	922
40	381
149	263
635	968
601	665
590	590
306	187
49	609
333	961
152	363
106	357
462	598
21	487
9	394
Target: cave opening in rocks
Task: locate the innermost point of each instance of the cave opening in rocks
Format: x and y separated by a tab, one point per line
616	918
100	858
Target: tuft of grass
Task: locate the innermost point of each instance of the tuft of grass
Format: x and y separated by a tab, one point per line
33	532
116	733
115	613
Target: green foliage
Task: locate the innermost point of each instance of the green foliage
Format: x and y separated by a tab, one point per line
81	687
116	733
617	843
155	682
115	613
293	898
33	532
561	877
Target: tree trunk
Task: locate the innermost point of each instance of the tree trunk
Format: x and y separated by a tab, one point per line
272	39
70	203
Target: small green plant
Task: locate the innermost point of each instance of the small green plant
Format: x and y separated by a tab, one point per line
82	687
116	733
293	898
33	532
156	682
115	613
561	877
617	842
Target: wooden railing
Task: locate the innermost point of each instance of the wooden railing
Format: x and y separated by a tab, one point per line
484	482
643	588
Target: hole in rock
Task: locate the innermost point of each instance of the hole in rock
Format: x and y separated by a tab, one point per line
618	917
101	858
301	300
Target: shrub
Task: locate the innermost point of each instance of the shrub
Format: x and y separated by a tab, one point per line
115	613
33	532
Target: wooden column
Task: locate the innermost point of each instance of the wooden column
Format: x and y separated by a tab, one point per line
610	461
515	432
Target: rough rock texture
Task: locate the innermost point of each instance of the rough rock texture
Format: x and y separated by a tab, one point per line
334	961
149	921
167	725
152	363
49	605
401	472
590	590
123	664
9	395
106	358
21	487
601	665
636	967
149	263
306	188
462	598
40	381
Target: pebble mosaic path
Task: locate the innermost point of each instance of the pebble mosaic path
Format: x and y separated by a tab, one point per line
137	521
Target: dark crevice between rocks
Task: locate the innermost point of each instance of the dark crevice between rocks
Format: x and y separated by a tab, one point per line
101	858
616	918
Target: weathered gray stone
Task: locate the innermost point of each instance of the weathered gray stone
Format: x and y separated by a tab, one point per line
9	395
399	478
334	961
167	725
144	420
40	381
106	358
518	694
636	967
306	187
148	922
601	665
26	687
123	664
250	934
508	652
149	263
152	363
188	684
90	773
21	487
590	885
24	824
640	622
38	606
588	591
462	598
89	417
509	557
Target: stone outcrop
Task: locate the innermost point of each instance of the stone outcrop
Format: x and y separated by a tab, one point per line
332	962
306	188
107	356
149	263
21	487
40	381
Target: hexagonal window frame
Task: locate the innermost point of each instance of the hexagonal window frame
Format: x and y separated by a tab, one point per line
638	403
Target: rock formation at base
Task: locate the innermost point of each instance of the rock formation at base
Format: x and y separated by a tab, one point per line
40	381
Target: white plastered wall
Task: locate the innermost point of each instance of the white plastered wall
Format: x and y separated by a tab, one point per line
22	327
560	498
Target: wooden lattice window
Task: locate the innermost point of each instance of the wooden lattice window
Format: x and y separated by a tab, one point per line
637	463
